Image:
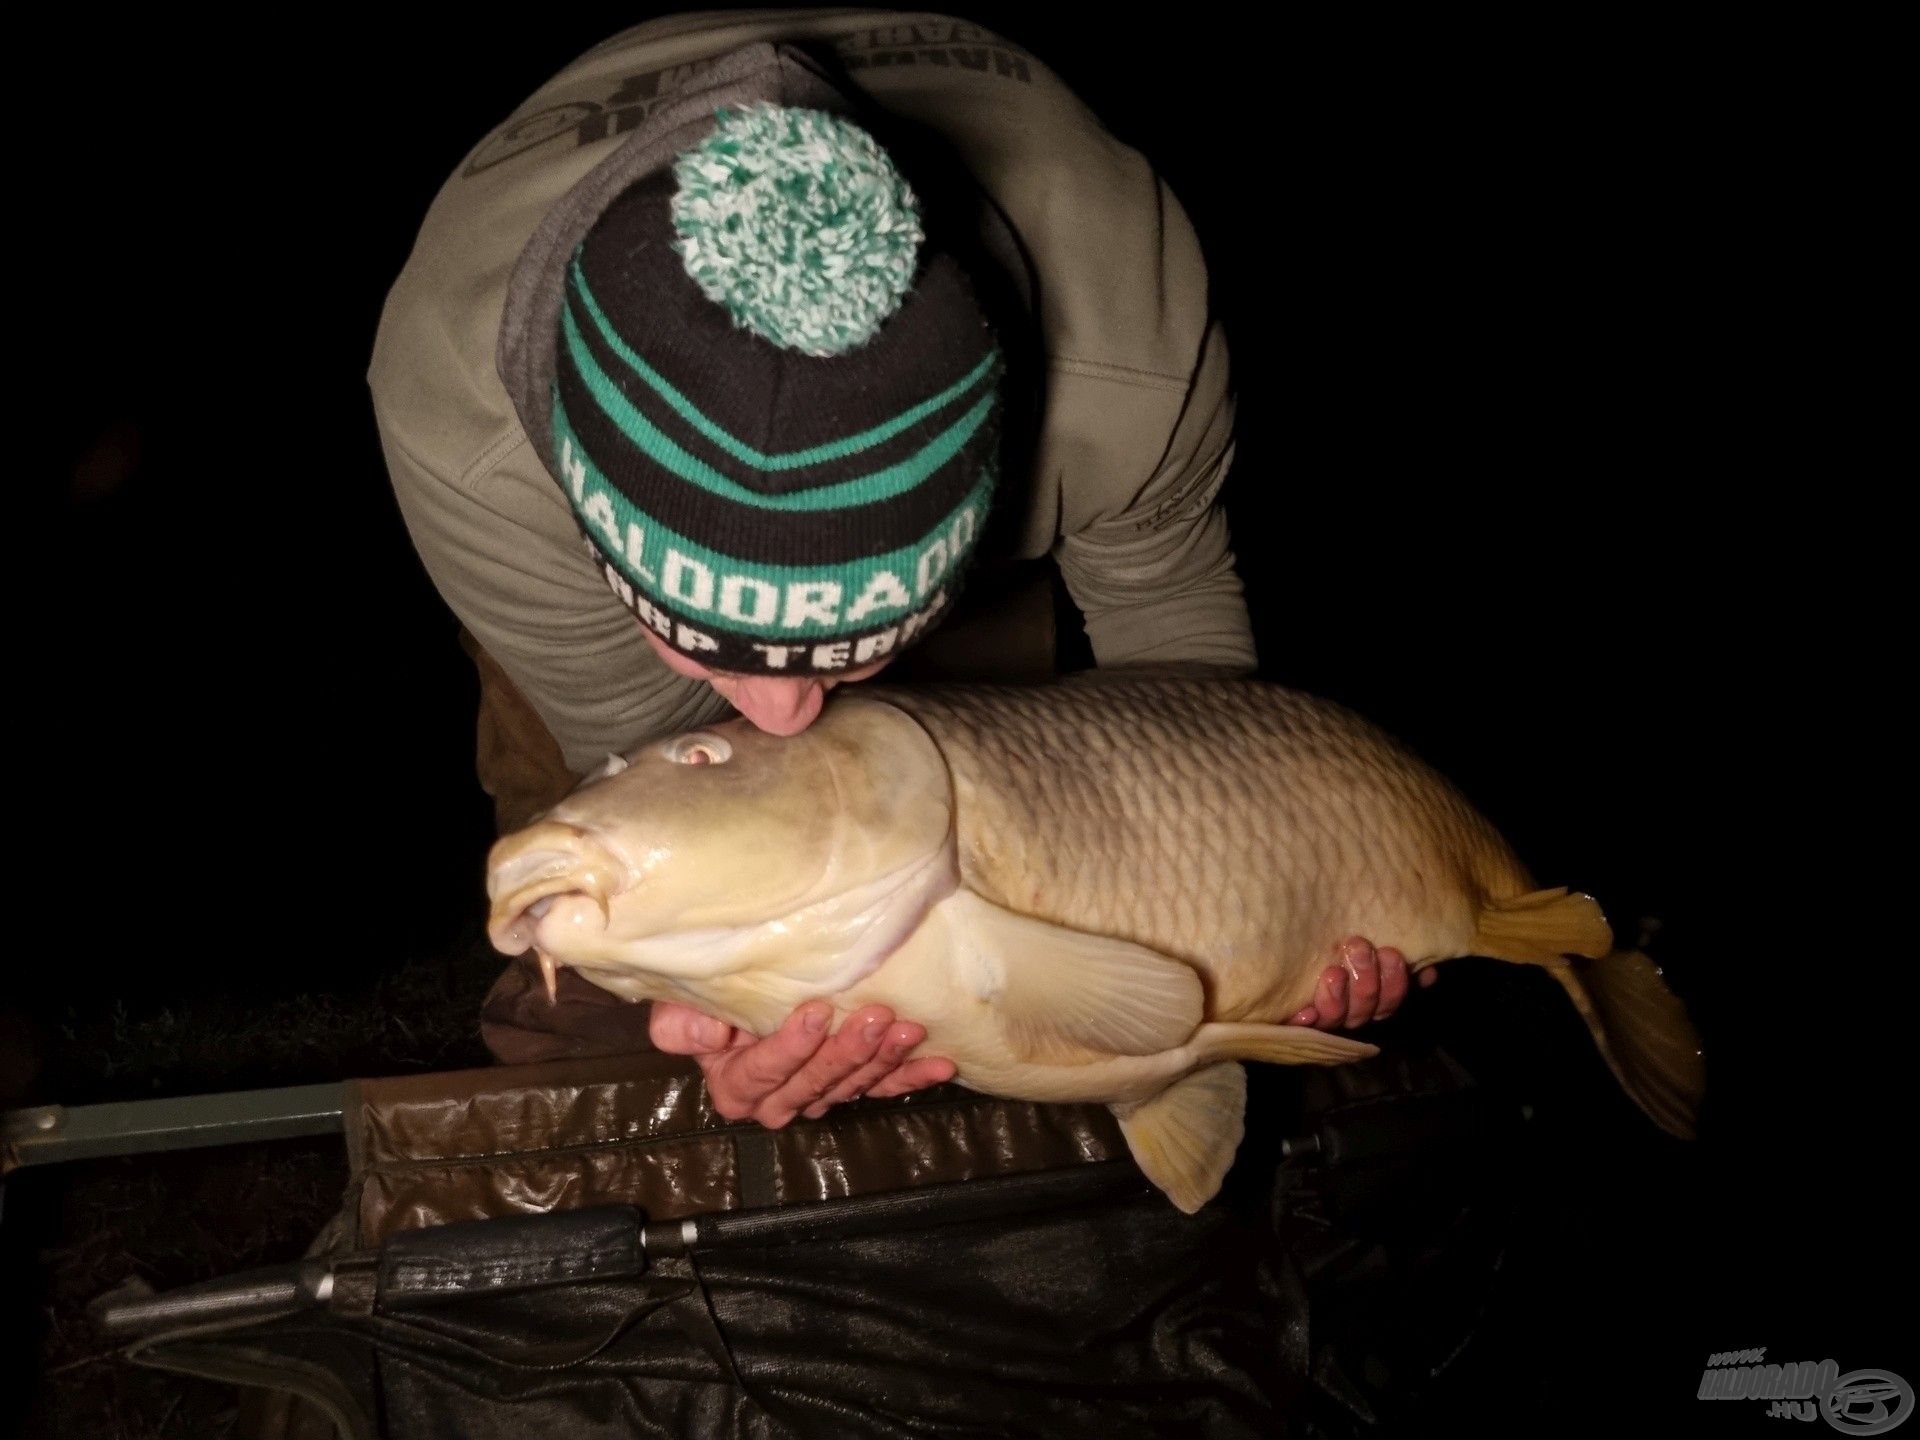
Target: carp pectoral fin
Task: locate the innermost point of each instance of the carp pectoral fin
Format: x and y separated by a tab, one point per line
1184	1138
1061	993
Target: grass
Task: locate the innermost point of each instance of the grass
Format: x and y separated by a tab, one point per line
72	1232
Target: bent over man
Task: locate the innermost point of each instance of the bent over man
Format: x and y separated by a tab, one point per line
750	352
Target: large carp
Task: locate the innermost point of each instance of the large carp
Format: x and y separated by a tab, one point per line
1109	889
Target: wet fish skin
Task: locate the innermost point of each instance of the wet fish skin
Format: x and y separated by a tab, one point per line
1238	825
1113	888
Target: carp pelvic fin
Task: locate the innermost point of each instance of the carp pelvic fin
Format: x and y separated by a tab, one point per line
1184	1138
1064	996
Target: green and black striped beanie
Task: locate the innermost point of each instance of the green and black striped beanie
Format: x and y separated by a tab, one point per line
776	407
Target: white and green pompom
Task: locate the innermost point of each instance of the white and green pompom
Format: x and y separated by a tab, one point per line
798	223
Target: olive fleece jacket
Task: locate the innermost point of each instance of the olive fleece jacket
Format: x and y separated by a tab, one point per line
1113	354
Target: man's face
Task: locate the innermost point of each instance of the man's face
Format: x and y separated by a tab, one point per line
777	704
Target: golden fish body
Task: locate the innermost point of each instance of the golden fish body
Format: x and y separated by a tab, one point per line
1242	827
1105	889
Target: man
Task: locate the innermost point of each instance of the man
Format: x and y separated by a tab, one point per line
786	315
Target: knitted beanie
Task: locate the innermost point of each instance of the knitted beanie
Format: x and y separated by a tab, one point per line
775	405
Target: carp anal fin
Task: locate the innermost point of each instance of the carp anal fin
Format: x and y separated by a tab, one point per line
1184	1139
1279	1045
1066	996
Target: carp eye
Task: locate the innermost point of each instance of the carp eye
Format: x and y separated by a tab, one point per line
699	750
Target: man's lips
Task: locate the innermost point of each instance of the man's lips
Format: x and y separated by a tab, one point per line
779	707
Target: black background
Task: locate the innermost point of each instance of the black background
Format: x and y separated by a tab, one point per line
1514	479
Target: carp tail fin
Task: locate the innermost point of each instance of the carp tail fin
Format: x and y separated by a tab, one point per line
1643	1033
1639	1026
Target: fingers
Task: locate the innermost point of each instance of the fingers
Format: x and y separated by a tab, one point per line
898	1040
741	1080
1365	985
1363	994
844	1055
916	1074
799	1069
682	1030
1330	999
1393	982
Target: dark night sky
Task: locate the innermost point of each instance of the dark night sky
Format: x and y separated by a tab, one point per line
1489	309
1457	298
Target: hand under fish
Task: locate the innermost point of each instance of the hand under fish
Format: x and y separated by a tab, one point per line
803	1070
1114	888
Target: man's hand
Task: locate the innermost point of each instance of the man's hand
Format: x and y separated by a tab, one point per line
1366	984
799	1069
802	1070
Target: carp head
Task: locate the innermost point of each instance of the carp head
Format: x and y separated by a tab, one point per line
726	849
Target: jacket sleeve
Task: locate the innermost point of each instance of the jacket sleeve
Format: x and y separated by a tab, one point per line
1154	573
502	548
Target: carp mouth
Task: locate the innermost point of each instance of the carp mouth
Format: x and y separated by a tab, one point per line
528	871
